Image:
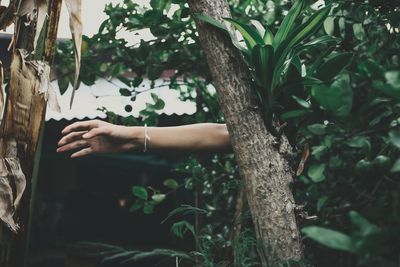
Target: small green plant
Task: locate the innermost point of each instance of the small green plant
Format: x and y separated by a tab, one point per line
274	59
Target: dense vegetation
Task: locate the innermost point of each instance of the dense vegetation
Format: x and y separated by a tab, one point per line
338	102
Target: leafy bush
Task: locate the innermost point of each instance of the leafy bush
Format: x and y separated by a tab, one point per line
337	92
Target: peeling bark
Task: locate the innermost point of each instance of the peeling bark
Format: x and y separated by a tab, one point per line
52	29
29	91
7	15
261	160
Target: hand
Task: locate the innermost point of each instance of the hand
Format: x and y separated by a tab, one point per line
97	136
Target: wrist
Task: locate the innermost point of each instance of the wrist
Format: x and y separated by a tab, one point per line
136	138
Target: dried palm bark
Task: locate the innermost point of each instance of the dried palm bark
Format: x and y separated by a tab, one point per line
29	92
7	14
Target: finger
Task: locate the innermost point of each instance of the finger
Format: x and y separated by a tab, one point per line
95	132
83	152
73	136
80	126
74	145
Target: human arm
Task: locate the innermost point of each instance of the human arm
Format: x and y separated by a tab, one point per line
96	136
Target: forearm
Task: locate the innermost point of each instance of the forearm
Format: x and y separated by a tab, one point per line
201	137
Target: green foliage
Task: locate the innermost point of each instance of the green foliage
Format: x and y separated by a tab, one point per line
110	255
329	238
332	76
273	59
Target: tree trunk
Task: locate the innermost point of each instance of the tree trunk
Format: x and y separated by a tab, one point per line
23	119
261	159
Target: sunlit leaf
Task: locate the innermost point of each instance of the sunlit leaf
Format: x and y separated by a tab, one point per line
330	238
250	35
140	192
211	21
158	198
396	167
301	33
358	30
317	128
294	114
171	183
317	172
288	23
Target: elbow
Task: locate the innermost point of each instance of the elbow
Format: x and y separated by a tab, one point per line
222	137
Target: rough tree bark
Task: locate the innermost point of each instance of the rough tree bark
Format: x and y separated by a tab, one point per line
261	159
23	118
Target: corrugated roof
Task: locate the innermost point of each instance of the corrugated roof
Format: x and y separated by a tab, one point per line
104	93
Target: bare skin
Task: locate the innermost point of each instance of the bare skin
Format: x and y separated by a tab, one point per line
97	136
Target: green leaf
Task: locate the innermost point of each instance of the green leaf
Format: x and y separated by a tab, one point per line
294	114
363	166
136	206
180	228
140	192
158	198
148	208
298	35
263	56
301	33
364	227
259	27
137	81
157	4
358	142
329	25
333	66
250	35
63	84
211	21
396	167
266	33
268	36
301	102
316	172
381	162
154	97
125	92
154	72
288	22
319	151
394	136
158	102
358	31
372	69
118	257
317	129
321	202
171	183
393	78
294	72
330	238
337	98
387	89
325	39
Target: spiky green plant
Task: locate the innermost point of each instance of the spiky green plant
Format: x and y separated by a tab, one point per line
270	56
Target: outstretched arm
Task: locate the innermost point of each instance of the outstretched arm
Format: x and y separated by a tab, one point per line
96	136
